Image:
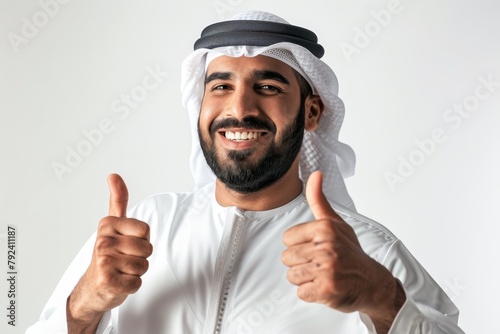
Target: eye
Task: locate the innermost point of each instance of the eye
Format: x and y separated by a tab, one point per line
220	87
269	89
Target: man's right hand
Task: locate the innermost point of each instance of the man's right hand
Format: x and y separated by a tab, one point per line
119	260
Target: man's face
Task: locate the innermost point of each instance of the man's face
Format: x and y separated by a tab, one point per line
251	122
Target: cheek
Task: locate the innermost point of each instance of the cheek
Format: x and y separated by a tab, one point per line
284	118
206	117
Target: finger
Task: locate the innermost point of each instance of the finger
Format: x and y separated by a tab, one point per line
316	231
130	283
317	252
119	283
110	226
302	273
307	292
123	245
298	234
298	254
132	265
318	203
118	198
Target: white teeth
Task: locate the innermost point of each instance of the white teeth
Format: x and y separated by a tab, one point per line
240	136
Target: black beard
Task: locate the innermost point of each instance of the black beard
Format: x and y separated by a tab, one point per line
244	176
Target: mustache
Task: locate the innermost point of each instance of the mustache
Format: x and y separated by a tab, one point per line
249	122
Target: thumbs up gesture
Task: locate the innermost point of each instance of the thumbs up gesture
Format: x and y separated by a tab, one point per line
118	261
329	266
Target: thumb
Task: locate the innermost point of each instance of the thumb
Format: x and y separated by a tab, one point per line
318	203
118	196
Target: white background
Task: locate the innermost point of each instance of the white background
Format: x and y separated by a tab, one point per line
64	79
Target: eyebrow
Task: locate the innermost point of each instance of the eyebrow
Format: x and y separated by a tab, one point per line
218	76
260	74
266	74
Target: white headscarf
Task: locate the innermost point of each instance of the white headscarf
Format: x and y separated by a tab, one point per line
321	149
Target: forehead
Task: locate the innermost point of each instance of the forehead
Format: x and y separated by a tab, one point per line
243	65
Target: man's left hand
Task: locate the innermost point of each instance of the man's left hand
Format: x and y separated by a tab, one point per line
329	266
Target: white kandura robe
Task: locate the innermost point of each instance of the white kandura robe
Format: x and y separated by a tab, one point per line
218	270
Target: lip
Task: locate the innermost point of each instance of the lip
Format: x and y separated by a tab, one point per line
241	144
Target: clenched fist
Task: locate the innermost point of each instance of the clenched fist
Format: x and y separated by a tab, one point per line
118	261
329	266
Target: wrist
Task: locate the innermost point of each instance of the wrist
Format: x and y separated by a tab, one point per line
80	318
387	300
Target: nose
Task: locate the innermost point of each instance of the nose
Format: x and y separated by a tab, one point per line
242	103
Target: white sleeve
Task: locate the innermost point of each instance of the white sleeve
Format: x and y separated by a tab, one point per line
427	309
53	316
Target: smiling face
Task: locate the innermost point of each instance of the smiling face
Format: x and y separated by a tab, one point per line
251	122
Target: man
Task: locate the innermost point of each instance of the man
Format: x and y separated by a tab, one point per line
271	245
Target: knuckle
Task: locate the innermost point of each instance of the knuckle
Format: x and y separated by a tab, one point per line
132	267
332	250
104	242
288	255
105	223
104	280
327	266
147	228
286	237
141	247
284	257
323	246
322	249
307	295
297	274
145	266
143	229
296	252
325	230
149	249
291	275
137	267
105	261
131	284
302	271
